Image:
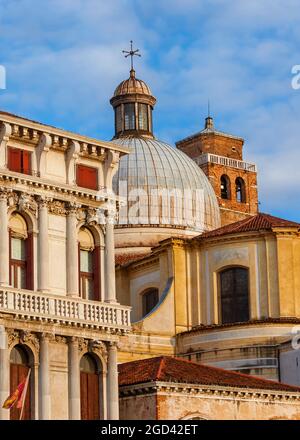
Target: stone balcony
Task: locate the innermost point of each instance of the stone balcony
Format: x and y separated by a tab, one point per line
225	161
55	309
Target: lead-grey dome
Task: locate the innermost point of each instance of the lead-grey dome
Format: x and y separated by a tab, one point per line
163	187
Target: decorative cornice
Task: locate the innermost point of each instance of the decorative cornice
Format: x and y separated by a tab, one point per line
213	391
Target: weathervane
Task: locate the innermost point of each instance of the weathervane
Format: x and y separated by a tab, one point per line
131	53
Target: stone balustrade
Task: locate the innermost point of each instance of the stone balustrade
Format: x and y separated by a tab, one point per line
65	310
226	161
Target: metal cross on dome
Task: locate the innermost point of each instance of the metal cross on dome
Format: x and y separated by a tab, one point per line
131	53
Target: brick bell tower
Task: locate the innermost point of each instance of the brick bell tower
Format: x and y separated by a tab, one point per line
220	155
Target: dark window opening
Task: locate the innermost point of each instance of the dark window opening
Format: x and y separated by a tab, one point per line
225	187
240	190
150	299
234	295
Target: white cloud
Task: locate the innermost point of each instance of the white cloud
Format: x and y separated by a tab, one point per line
64	60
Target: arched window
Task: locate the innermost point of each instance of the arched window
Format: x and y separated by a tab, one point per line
89	265
19	369
240	190
234	295
149	299
21	253
225	187
89	388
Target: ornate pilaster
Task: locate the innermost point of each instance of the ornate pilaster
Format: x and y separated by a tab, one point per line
4	239
113	387
74	379
72	250
43	244
110	282
44	378
5	132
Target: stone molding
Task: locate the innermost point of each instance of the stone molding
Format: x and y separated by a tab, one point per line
207	391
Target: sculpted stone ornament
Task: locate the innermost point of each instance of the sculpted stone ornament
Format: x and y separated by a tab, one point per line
12	337
82	345
92	217
98	346
27	202
56	207
27	337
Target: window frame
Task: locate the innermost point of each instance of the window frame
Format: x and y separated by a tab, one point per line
220	305
240	181
146	293
79	178
20	168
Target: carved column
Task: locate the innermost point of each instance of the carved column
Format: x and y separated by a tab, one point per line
43	246
4	373
113	385
74	380
110	280
5	132
4	241
44	379
72	252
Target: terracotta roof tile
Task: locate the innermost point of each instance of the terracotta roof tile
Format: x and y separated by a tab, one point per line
124	259
258	222
168	369
265	321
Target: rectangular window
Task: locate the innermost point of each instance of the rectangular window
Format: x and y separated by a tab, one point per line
118	119
143	117
86	274
129	115
19	160
87	177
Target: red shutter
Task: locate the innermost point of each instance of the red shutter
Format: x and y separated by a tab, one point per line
26	156
87	177
84	395
96	269
29	262
14	159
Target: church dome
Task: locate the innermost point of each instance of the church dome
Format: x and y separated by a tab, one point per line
164	188
132	85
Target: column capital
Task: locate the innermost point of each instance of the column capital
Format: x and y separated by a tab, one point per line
46	337
43	201
72	208
5	193
113	345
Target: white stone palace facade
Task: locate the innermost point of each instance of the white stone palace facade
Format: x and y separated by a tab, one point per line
59	316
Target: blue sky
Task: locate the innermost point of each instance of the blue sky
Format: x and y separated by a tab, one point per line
63	60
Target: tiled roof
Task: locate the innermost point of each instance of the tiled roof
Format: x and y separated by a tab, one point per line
124	259
169	369
257	222
266	321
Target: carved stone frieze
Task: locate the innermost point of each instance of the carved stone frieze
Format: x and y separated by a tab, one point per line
57	207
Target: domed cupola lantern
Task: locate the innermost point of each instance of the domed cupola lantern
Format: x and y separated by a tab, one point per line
133	104
166	193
